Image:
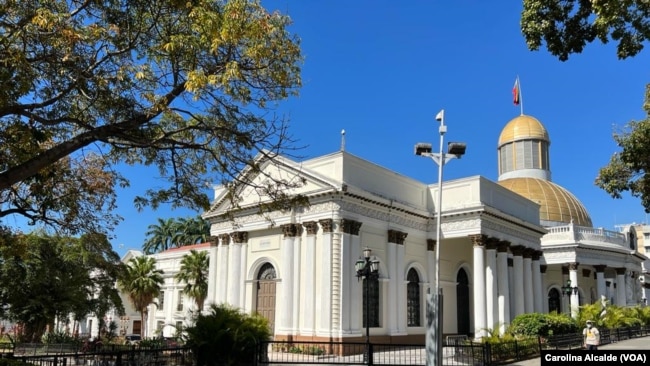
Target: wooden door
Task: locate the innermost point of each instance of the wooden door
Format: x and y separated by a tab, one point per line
265	297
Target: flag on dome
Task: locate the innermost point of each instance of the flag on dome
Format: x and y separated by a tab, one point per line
516	92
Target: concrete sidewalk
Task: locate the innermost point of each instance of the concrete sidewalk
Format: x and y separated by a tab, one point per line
634	343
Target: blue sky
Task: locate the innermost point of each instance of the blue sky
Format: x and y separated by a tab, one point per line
382	70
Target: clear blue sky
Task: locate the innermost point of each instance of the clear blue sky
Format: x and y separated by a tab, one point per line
381	70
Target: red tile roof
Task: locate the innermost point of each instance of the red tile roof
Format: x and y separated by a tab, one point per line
187	247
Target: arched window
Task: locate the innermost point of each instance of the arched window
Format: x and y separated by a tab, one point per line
372	295
413	298
554	301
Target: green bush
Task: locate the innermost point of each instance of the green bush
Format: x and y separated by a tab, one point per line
536	324
226	336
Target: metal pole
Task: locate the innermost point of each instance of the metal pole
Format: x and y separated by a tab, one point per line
438	335
367	270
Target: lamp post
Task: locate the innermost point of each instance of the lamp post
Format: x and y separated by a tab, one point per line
568	290
434	304
368	269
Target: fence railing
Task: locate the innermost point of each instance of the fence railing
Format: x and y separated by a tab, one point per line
138	357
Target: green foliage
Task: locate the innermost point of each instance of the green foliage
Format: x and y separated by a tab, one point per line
141	281
536	324
59	338
183	87
194	274
568	26
172	233
226	336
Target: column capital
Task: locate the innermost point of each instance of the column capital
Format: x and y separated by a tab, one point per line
517	250
543	268
291	230
213	240
479	240
224	239
621	271
502	246
350	226
491	243
528	253
431	245
311	227
240	237
537	255
327	225
600	268
397	237
573	266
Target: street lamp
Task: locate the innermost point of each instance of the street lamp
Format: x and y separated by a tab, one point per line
568	290
455	150
368	269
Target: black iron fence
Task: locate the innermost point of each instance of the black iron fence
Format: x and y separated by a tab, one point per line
132	357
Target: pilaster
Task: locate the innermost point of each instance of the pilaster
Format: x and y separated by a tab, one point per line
480	314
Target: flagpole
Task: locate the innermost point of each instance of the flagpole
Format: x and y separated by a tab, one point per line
521	98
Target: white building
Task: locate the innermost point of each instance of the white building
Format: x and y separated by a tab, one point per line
508	247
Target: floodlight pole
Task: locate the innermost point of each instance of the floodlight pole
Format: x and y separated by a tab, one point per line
435	300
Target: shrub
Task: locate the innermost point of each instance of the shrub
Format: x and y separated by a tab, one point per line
226	336
536	324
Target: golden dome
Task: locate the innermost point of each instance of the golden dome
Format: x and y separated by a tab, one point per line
556	203
523	127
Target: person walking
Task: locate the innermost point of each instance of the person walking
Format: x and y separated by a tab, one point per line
591	336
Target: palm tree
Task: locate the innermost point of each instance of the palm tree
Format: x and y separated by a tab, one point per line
194	273
159	236
141	281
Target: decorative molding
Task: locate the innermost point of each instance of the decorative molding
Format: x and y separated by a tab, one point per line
600	268
224	239
327	225
431	245
573	266
503	246
350	226
396	237
528	253
311	227
213	240
508	230
620	271
543	268
537	254
491	243
517	250
291	230
384	215
240	237
478	240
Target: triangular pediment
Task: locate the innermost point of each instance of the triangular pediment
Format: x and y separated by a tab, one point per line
304	181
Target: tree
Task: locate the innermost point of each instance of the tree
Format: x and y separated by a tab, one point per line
141	281
171	233
566	27
194	274
58	276
187	87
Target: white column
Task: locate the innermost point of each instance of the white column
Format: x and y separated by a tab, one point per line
396	285
297	279
307	305
401	289
575	297
528	282
511	287
222	268
480	321
323	308
357	286
620	287
503	301
212	272
538	292
601	288
518	279
543	268
285	311
351	288
234	274
243	257
491	298
392	285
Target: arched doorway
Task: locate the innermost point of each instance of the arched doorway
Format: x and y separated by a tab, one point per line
554	304
265	294
462	302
